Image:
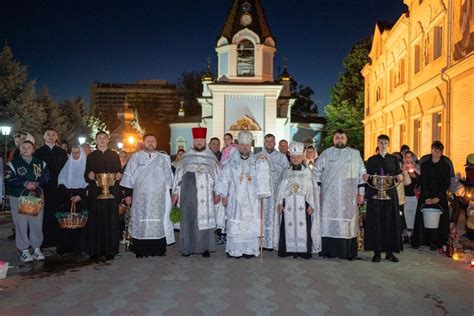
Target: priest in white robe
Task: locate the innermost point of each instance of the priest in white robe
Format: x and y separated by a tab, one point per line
277	163
147	180
193	191
297	202
339	172
245	180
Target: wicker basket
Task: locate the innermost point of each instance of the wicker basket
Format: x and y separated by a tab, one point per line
32	203
72	220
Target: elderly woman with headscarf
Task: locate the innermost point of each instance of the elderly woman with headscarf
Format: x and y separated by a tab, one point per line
72	189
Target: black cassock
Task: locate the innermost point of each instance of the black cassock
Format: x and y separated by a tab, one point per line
71	240
435	180
102	234
382	224
55	159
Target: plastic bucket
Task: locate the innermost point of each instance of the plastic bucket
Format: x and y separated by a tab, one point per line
3	271
431	216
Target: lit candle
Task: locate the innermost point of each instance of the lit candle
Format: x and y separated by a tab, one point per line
472	263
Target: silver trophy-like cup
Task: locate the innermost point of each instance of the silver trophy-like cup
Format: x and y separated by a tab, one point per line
105	181
382	184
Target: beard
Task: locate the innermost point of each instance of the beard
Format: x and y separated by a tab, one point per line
150	149
244	153
199	149
340	145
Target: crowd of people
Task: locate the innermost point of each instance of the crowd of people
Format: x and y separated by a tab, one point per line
290	200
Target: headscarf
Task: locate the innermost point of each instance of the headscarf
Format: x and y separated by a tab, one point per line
72	174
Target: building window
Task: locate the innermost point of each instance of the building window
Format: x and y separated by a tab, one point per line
438	42
437	125
392	82
417	58
401	72
402	134
417	136
378	94
426	49
245	59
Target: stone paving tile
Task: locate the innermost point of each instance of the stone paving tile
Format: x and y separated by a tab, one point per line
423	283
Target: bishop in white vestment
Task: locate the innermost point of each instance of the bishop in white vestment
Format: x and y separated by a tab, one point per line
297	203
147	180
277	163
339	172
244	181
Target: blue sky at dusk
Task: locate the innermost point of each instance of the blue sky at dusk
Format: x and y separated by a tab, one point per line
69	44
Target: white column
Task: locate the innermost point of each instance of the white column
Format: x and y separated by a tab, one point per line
270	125
218	116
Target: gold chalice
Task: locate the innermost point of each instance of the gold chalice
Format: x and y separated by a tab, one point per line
382	184
105	181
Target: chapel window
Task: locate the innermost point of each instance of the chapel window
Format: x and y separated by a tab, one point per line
245	59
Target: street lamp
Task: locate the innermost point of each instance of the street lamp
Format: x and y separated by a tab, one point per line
181	112
81	140
131	140
6	130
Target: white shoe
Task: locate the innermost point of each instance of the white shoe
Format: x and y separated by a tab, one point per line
38	255
26	256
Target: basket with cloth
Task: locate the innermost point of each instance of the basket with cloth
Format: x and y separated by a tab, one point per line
72	219
31	202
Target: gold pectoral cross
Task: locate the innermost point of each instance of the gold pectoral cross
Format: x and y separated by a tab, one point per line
245	176
296	187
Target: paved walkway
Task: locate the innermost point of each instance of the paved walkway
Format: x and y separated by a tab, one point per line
423	283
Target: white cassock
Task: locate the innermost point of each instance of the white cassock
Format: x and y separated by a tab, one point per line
150	177
339	172
271	221
227	154
244	182
296	189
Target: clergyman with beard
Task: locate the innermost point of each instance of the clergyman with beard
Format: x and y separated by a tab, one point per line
339	172
193	191
147	181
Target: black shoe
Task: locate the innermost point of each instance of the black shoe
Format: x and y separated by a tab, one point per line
186	255
248	256
268	249
391	257
229	256
376	258
206	254
11	237
433	248
109	257
356	258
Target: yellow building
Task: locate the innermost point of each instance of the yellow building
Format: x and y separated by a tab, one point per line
419	86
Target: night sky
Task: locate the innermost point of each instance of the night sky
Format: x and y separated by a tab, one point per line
68	46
